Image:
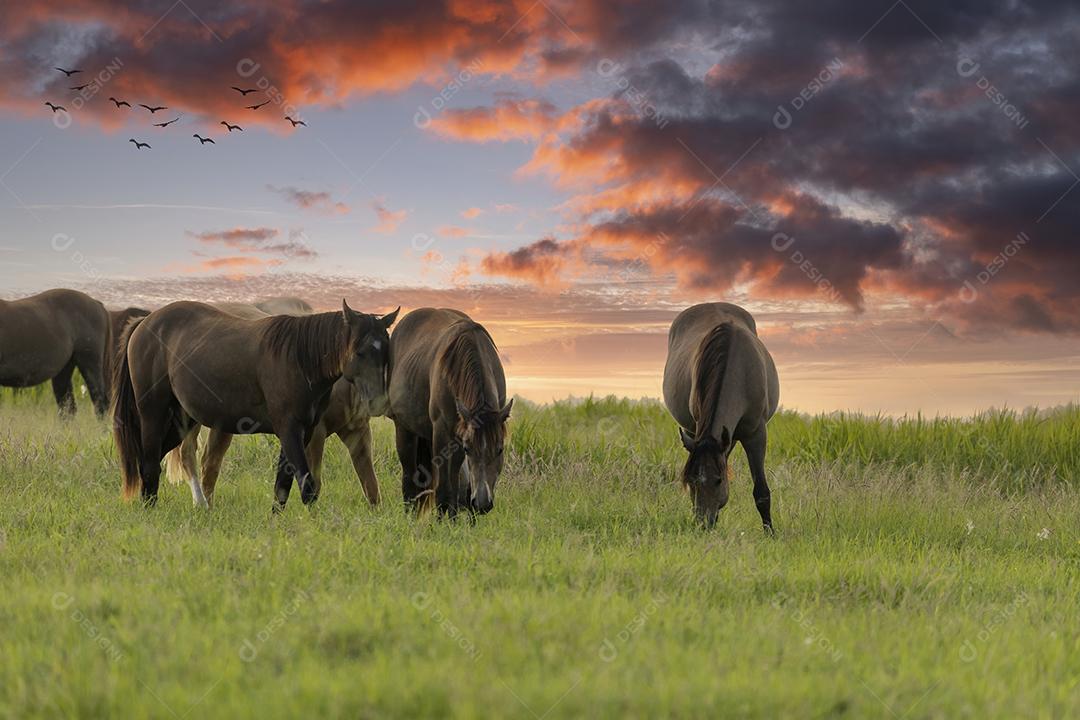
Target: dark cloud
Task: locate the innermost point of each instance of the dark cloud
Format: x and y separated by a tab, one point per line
928	152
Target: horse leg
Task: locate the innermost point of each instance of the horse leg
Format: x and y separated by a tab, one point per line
315	448
754	447
213	454
358	441
158	439
446	462
91	367
188	450
61	386
283	482
414	480
293	463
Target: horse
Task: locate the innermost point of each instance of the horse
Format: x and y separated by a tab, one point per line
284	306
48	336
190	364
448	404
721	386
347	416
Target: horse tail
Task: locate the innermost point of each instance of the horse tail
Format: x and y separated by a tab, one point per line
127	427
174	466
107	360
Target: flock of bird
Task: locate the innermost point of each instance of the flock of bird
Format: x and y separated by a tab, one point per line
153	109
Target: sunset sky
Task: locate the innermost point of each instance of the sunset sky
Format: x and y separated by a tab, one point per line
890	187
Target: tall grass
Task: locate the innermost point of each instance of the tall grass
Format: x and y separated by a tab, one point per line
1014	450
901	582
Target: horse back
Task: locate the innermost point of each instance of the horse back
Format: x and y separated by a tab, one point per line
208	359
39	334
750	386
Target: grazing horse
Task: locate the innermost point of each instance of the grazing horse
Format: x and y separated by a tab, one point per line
48	336
347	416
448	404
190	364
720	385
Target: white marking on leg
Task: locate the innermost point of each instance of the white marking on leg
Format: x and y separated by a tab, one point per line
197	497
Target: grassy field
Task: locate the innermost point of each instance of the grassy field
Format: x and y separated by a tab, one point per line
922	569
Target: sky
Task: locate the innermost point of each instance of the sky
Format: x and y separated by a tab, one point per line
890	187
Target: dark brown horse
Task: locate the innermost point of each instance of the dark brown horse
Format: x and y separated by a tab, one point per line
448	403
190	364
347	415
48	336
721	386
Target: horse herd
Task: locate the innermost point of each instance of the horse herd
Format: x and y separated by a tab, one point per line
277	367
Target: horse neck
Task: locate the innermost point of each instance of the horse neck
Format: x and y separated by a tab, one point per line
315	343
471	380
714	400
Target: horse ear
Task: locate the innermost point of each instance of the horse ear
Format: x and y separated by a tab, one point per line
463	411
504	414
388	319
687	440
346	311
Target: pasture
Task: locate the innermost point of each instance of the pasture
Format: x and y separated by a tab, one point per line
921	569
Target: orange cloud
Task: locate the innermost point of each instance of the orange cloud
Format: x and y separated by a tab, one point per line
389	220
543	263
507	120
453	231
310	200
472	213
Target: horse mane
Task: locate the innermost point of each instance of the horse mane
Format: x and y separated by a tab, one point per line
464	367
712	360
317	343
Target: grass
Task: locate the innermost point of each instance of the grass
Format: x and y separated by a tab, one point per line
923	568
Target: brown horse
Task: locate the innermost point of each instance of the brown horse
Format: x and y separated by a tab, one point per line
48	336
448	403
347	416
191	364
721	386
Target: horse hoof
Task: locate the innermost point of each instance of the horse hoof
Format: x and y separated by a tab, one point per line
277	508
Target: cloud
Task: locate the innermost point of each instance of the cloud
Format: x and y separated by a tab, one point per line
259	241
309	200
509	119
472	213
389	220
296	53
452	231
807	164
542	263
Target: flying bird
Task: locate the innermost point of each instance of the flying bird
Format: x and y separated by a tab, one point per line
153	109
139	145
120	102
54	108
80	87
230	128
202	140
243	92
69	73
295	122
166	124
256	107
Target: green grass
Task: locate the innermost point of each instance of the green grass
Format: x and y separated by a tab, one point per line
922	569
